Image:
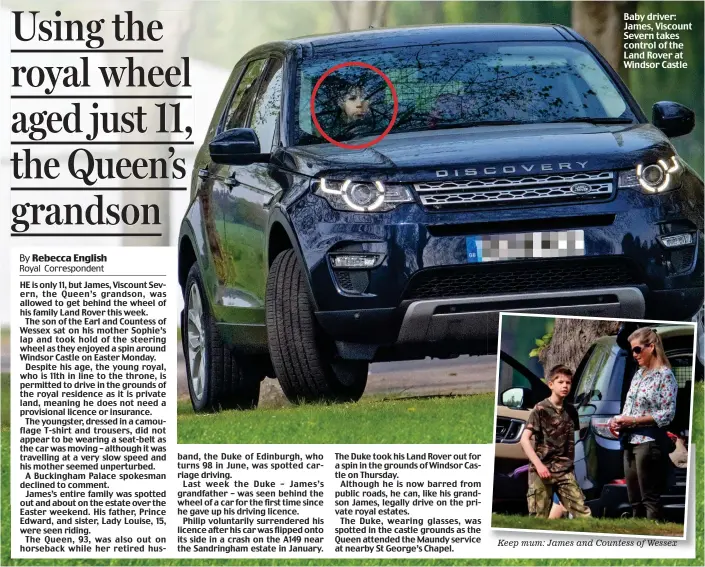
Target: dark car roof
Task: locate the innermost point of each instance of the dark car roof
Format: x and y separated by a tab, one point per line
425	35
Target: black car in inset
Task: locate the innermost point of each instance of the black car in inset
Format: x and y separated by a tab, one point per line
519	175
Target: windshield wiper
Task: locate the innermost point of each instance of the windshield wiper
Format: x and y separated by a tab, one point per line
587	119
479	123
592	120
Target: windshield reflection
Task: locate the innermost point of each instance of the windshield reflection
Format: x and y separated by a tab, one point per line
455	86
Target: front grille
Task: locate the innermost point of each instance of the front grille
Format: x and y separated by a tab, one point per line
529	276
504	190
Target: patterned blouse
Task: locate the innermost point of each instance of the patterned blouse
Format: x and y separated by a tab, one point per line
652	392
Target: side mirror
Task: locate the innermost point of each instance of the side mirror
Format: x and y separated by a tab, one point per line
237	146
673	119
515	397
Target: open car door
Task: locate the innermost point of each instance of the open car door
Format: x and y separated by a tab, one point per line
518	390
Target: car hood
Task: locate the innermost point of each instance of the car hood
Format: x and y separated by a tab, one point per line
486	151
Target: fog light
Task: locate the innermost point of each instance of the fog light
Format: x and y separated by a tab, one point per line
676	240
354	261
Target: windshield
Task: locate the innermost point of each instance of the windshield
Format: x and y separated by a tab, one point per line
455	86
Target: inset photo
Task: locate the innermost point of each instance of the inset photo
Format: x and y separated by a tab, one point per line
592	425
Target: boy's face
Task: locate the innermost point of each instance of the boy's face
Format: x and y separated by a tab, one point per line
354	104
560	385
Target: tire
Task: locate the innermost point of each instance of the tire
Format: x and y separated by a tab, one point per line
217	377
304	358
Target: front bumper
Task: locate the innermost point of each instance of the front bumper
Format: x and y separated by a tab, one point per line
476	317
425	291
470	325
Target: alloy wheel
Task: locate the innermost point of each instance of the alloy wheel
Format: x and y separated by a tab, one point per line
196	342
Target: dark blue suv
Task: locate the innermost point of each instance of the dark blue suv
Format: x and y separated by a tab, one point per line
383	194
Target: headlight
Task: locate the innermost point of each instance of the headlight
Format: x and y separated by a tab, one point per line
362	196
658	177
601	427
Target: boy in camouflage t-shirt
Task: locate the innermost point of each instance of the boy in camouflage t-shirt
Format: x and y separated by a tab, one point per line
552	423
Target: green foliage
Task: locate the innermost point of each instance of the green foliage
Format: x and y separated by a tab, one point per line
410	13
222	32
626	526
5	405
465	419
541	344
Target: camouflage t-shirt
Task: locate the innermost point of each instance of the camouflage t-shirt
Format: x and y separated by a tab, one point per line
554	429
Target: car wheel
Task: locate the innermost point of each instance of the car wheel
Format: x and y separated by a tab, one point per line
217	377
305	359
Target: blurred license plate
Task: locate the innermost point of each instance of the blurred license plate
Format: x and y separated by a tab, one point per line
495	247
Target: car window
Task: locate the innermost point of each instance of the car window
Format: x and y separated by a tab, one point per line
512	374
265	116
682	366
224	100
238	112
512	378
595	379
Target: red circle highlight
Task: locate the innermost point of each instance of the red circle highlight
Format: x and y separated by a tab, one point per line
391	121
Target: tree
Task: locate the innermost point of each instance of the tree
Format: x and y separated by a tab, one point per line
432	12
571	340
360	14
602	24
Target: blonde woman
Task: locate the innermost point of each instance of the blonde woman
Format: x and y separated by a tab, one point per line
649	407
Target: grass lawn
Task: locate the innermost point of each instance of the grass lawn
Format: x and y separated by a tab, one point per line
5	401
463	419
639	526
